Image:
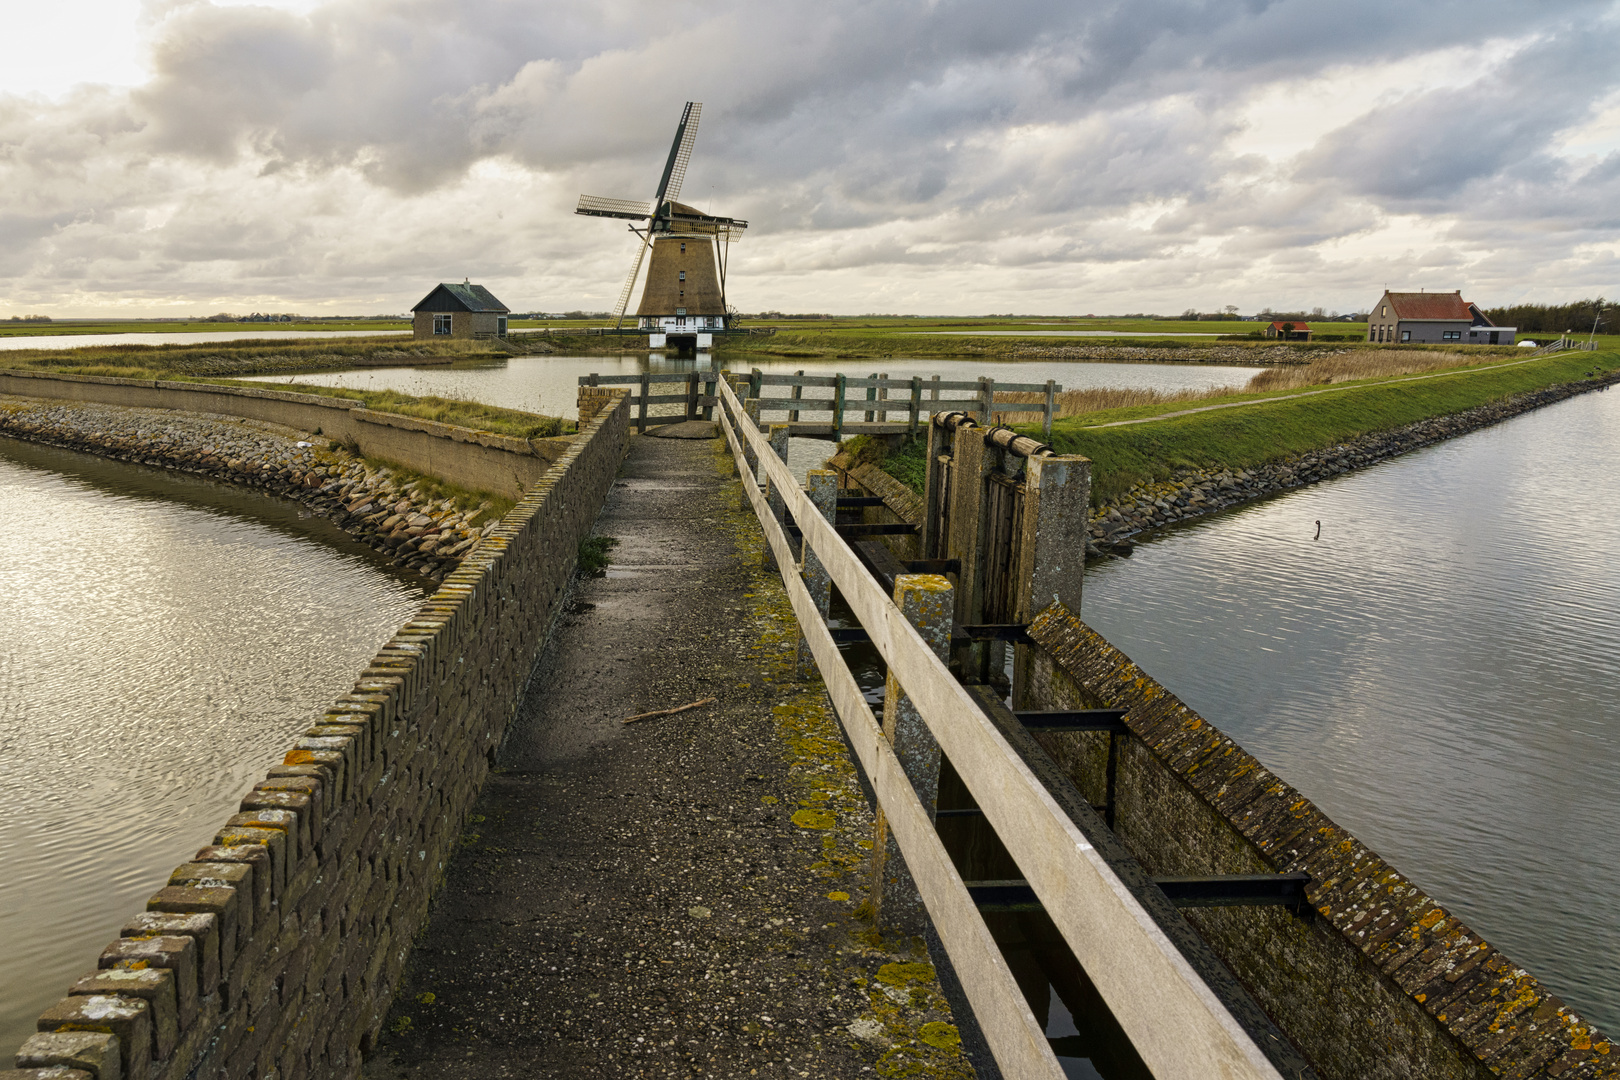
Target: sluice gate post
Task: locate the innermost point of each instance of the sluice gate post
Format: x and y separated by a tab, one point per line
1183	1012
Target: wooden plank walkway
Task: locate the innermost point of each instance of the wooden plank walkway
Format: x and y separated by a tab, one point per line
676	897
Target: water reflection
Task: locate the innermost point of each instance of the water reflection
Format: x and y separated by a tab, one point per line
164	639
550	384
1438	672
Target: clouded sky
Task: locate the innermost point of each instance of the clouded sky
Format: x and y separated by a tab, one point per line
956	156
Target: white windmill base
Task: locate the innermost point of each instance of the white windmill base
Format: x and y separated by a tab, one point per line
659	341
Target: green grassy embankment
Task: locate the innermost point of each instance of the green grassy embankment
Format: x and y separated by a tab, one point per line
75	327
1270	427
216	363
1282	425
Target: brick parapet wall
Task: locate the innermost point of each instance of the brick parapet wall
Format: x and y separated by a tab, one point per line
277	951
478	460
1381	981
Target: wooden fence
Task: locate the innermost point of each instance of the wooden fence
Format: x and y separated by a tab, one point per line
1177	1024
873	399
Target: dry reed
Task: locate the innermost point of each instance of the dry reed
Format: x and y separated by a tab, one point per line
1341	366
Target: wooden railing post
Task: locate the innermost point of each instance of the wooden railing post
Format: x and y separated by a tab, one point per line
773	495
691	394
710	389
641	411
1051	407
883	396
925	601
839	392
871	394
987	388
798	393
750	458
821	485
916	404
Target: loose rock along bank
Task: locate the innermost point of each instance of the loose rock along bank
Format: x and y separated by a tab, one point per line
368	501
677	896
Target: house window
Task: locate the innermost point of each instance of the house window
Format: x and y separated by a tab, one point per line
1406	335
1451	335
1385	312
441	324
500	326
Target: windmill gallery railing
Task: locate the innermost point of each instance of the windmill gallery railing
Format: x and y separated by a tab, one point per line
875	405
1120	925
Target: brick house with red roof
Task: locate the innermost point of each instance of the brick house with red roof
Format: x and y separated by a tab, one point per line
1426	318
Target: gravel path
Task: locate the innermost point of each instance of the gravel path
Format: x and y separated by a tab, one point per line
676	897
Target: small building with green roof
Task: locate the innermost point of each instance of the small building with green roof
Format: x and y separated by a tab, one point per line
459	311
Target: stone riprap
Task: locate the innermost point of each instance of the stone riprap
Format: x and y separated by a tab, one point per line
277	950
1194	492
368	501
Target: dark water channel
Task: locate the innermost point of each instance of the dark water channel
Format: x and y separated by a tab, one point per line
1440	672
163	640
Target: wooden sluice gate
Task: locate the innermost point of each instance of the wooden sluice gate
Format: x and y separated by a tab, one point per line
978	825
876	399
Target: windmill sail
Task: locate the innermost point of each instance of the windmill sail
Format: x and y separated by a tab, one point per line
601	206
680	152
629	283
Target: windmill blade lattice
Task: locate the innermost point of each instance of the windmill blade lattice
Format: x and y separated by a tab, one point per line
683	150
630	282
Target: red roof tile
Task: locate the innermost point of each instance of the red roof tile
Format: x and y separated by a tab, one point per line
1430	305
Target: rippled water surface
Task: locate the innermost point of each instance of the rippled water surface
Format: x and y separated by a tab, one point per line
163	640
550	384
1440	672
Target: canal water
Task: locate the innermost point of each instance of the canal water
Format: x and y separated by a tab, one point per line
1440	672
164	640
550	384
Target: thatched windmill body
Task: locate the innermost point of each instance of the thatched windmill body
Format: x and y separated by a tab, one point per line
684	300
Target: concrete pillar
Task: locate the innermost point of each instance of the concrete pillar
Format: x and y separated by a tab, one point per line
926	601
1051	545
821	485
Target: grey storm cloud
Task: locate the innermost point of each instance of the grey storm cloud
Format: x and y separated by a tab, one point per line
317	155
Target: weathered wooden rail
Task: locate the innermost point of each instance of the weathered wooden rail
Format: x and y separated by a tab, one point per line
1113	921
875	399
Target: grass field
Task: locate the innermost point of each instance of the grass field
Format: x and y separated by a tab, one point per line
1272	424
217	363
188	326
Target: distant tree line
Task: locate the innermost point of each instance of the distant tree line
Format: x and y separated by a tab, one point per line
30	318
1556	318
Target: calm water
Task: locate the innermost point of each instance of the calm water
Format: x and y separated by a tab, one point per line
550	384
1440	672
84	341
163	640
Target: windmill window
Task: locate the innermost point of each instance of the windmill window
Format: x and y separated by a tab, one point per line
683	275
683	249
441	324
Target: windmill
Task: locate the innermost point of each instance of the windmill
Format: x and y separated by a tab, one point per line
685	294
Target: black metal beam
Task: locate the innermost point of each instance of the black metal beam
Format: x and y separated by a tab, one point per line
1237	890
860	500
1219	890
1014	632
1073	719
890	528
933	566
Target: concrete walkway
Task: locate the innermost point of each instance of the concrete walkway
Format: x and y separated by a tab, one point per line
676	897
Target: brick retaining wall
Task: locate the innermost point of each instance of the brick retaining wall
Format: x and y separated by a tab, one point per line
1381	982
277	951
